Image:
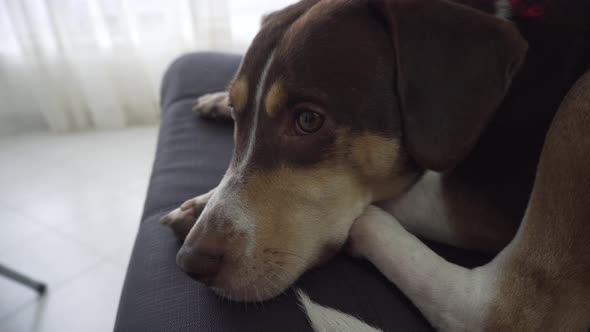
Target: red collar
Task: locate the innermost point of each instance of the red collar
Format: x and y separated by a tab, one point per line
527	9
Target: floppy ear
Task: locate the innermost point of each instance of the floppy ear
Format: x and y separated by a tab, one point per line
267	17
297	8
454	66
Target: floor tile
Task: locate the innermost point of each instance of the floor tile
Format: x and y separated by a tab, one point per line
121	255
14	296
44	256
70	203
88	303
14	227
91	188
96	219
35	168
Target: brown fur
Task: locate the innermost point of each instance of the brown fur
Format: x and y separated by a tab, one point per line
277	194
546	280
302	192
405	98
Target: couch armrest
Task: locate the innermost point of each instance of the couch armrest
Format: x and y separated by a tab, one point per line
195	74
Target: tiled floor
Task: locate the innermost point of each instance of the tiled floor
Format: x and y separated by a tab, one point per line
69	209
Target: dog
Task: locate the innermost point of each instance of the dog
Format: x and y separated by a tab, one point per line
369	123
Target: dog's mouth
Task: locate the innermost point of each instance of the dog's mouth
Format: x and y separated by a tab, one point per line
268	279
269	282
259	278
251	293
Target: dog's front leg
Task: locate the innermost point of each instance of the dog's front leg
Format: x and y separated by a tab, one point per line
182	219
451	297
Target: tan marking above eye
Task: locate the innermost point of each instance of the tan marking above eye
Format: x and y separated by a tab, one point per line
274	98
238	93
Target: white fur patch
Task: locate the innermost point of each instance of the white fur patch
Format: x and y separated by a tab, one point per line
451	297
324	319
257	106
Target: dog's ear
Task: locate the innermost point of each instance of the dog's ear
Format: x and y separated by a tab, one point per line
454	66
297	9
267	17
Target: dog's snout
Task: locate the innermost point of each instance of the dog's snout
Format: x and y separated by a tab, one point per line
201	261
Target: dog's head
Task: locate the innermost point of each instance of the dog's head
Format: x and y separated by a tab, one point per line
338	104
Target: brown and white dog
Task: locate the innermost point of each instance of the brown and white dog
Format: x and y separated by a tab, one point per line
379	121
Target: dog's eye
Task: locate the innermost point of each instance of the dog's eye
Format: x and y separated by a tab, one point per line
309	122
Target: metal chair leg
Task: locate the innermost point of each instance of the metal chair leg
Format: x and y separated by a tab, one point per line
20	278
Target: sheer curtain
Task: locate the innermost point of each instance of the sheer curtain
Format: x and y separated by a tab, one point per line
70	65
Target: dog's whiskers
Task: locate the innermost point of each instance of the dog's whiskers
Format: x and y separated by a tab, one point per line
274	285
283	251
291	277
257	297
274	288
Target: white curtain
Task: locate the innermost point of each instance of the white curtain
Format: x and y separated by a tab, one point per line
69	65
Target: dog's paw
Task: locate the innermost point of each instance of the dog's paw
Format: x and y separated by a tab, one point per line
373	223
182	219
213	106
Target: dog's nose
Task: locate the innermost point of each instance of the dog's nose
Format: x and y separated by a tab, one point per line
201	261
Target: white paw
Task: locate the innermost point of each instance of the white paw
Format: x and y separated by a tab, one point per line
373	223
182	219
213	106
